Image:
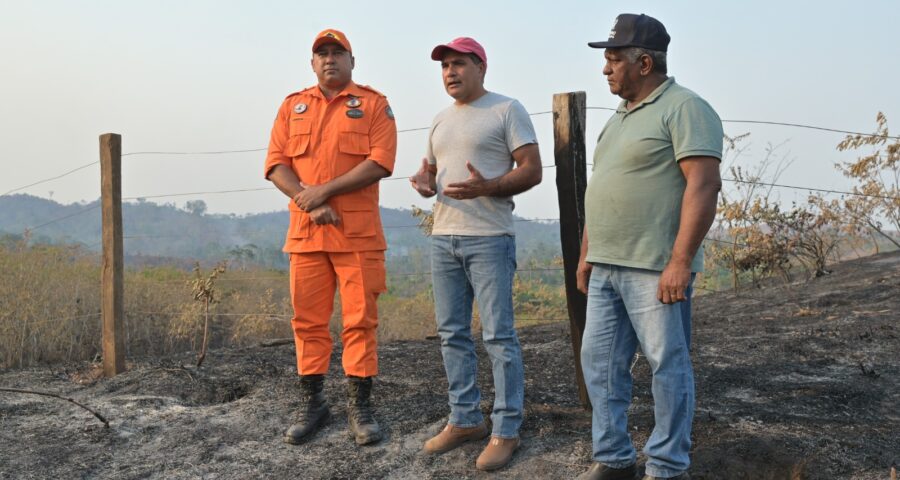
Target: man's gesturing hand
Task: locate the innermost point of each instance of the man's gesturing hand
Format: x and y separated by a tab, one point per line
474	186
423	180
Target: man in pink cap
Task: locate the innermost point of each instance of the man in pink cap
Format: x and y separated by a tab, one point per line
482	150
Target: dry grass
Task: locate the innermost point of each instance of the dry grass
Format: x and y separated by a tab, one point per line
50	307
49	304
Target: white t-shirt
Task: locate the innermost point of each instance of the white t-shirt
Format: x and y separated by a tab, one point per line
485	133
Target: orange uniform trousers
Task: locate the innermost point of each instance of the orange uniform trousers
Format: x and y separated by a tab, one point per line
360	276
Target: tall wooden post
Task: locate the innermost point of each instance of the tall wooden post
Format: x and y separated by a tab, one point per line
112	300
571	180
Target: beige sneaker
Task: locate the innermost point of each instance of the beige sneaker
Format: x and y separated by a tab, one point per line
452	436
497	453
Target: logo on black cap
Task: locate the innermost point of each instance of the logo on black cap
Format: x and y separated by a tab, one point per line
632	30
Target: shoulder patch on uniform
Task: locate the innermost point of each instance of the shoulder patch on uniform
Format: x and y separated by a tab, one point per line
366	87
300	92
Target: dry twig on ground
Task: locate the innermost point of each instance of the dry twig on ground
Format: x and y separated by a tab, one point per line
47	394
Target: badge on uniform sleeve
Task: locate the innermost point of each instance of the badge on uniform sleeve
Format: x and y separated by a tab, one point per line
300	108
355	113
353	102
389	112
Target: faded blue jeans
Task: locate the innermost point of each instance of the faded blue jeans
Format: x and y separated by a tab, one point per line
464	268
622	312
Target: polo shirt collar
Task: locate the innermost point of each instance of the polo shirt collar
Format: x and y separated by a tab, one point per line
656	93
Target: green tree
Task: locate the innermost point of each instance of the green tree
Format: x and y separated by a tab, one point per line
195	207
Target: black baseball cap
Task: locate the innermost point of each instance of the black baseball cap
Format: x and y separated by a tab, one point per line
632	30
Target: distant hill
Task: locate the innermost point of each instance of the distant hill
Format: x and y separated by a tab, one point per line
156	231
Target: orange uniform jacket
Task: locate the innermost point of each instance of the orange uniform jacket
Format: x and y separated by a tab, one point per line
322	140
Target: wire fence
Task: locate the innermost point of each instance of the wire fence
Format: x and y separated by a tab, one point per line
414	225
257	189
255	150
425	274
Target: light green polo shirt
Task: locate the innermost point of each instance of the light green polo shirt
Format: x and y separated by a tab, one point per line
633	199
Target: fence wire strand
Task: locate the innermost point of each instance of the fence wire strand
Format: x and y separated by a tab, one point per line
254	150
51	178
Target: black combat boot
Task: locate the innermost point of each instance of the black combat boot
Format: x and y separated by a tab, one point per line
361	414
312	415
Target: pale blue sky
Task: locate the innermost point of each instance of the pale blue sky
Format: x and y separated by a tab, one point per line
209	75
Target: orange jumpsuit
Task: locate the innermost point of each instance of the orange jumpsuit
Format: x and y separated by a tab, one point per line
321	140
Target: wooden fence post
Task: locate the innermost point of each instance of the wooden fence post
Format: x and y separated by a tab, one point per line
569	154
112	303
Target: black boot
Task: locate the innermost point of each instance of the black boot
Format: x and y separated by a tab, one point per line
312	415
361	414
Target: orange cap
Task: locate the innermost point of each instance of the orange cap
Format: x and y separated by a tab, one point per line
330	35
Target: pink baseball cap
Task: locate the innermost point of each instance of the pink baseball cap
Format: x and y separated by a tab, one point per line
461	45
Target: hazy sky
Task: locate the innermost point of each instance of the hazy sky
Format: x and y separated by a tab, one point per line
209	75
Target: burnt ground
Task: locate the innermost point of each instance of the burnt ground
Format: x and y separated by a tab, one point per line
793	381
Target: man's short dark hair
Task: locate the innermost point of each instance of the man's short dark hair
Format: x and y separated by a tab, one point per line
475	58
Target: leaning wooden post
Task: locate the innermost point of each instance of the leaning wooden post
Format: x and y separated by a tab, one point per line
112	301
571	180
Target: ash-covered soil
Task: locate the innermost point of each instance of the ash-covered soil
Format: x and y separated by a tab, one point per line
793	381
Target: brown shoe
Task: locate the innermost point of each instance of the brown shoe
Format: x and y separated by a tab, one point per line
452	436
497	453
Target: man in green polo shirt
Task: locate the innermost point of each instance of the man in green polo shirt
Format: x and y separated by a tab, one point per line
650	201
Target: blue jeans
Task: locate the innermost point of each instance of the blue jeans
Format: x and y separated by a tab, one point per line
464	268
622	312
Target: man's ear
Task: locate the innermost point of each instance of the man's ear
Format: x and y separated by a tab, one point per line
646	65
352	62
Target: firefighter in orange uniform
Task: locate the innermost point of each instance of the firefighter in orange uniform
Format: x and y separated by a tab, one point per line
330	145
